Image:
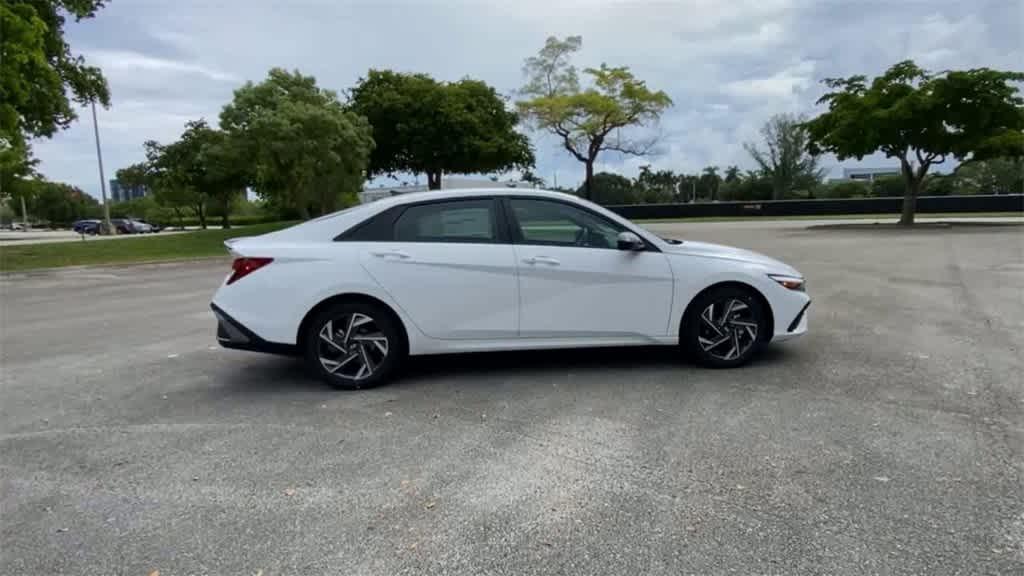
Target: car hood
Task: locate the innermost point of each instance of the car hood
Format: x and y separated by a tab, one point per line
708	250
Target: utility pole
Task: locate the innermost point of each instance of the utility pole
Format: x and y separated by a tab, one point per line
24	214
107	227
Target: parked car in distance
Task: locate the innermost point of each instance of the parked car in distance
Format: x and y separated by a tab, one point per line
152	227
357	291
141	227
131	226
122	226
90	227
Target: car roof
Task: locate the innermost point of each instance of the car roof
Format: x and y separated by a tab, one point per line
467	192
328	227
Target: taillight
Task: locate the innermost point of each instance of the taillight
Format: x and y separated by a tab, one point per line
242	267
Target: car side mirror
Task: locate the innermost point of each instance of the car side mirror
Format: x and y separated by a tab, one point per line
630	241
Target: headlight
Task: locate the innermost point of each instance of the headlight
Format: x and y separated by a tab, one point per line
792	282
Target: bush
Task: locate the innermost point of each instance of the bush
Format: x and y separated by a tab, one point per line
943	185
610	189
746	189
845	189
888	186
235	220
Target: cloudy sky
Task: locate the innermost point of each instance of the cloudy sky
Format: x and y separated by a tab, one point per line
727	64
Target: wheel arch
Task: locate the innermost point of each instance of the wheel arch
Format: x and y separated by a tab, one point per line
765	336
300	337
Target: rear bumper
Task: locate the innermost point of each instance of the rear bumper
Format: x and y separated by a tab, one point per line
233	334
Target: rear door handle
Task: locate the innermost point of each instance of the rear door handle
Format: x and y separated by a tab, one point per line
542	260
396	254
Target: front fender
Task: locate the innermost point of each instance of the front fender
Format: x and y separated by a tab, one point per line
694	275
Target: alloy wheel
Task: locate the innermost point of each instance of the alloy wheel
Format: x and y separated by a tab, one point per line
352	346
728	329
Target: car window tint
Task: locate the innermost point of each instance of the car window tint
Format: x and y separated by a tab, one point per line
559	224
457	221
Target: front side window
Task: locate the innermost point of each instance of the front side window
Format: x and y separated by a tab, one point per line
557	224
455	221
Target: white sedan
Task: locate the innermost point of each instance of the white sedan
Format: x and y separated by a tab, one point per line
357	291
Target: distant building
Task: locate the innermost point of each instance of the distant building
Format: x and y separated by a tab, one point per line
382	191
867	174
122	193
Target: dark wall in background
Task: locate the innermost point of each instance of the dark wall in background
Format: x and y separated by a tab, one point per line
925	205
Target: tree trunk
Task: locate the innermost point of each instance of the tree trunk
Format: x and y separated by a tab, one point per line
225	221
589	179
201	213
910	201
434	180
912	185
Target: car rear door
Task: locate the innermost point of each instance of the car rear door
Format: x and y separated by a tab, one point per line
575	282
449	265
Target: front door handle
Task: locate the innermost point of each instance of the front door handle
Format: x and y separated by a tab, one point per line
542	260
397	254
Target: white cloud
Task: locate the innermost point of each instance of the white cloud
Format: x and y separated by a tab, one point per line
782	84
118	61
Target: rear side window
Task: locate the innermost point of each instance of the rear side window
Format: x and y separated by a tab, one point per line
455	221
375	229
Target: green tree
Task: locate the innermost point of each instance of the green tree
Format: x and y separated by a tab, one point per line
39	76
711	181
169	179
134	175
995	176
210	164
309	153
752	186
656	187
783	156
732	174
424	126
921	118
226	171
941	185
587	121
688	187
610	189
55	203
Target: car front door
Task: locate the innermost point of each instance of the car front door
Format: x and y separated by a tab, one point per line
575	282
449	266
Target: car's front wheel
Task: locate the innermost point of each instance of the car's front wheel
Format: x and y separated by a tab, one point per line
726	327
354	345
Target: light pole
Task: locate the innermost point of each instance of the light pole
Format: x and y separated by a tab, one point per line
107	227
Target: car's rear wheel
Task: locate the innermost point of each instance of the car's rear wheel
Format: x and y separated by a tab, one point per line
726	327
354	345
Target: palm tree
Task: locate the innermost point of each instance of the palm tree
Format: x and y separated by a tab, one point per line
711	180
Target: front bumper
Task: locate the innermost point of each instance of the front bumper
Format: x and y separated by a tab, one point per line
232	334
797	326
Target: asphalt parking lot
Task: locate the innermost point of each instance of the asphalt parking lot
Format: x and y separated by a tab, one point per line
887	441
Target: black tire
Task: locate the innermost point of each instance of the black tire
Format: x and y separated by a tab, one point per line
347	354
698	333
